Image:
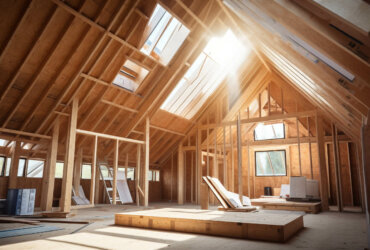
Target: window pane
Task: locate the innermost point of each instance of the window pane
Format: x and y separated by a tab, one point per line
2	165
130	173
35	168
269	131
104	171
270	163
59	170
157	176
150	175
22	164
8	163
86	171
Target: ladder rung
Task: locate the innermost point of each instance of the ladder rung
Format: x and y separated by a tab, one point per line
109	189
108	178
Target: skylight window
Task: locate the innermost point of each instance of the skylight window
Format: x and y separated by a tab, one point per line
269	131
166	34
130	76
222	56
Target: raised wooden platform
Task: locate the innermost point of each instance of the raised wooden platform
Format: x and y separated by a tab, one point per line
282	204
263	225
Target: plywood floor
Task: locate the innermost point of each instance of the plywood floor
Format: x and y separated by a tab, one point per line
327	230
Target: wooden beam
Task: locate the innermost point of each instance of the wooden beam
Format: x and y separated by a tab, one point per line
119	106
18	132
113	137
14	165
93	171
323	173
77	171
299	148
199	168
337	168
365	151
146	162
137	173
167	130
115	168
49	171
65	201
180	175
240	173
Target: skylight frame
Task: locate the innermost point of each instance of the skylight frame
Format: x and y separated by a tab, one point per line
272	126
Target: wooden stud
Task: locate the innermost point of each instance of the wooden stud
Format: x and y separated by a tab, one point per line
137	173
232	160
337	168
93	171
49	171
65	202
146	162
323	172
180	176
309	145
240	173
14	165
77	171
115	169
299	148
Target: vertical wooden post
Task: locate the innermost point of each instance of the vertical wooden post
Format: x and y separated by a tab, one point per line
126	166
232	161
269	98
171	177
180	175
309	145
299	148
97	182
137	174
240	174
115	168
259	105
198	165
249	168
65	202
224	157
322	164
49	172
365	152
192	178
77	171
93	171
14	165
146	163
337	168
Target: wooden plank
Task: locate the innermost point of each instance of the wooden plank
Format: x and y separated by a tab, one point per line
16	150
137	173
77	171
17	132
247	209
115	168
240	164
85	132
204	202
365	152
93	171
337	169
215	192
119	106
272	226
299	148
65	201
146	162
180	175
322	163
49	171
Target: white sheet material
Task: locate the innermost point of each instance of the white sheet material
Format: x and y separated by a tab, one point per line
81	198
122	188
233	197
298	187
285	191
312	189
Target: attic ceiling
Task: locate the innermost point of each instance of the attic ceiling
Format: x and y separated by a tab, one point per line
52	51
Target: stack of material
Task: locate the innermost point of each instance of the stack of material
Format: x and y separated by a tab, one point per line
80	199
21	201
229	200
122	188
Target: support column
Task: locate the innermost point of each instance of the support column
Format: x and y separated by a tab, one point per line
240	173
65	201
199	167
337	168
146	163
49	171
115	168
93	171
365	143
77	171
137	174
14	165
180	176
322	164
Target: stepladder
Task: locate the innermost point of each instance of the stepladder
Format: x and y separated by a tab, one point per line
108	184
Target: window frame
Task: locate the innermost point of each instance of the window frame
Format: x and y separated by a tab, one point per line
265	151
284	134
3	169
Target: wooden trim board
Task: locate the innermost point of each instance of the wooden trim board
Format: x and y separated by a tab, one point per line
271	226
282	204
244	209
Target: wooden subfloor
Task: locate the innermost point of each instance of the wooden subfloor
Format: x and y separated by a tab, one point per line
327	230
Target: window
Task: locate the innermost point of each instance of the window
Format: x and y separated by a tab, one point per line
35	168
269	131
270	163
130	174
8	163
153	175
59	170
104	171
222	56
130	76
21	167
86	171
2	165
166	35
3	142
